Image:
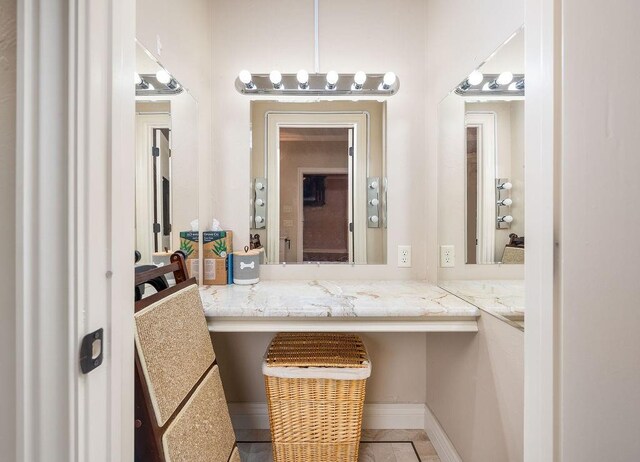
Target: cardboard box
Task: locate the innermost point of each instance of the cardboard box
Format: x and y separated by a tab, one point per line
216	248
189	244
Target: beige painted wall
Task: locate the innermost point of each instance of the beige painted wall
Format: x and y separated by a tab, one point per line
475	387
184	30
599	295
7	226
280	35
398	366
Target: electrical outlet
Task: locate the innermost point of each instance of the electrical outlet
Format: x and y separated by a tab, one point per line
447	256
404	256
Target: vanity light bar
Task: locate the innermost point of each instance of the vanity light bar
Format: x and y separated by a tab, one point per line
149	84
504	84
305	84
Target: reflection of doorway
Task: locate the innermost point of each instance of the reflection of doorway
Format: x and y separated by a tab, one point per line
152	131
315	183
323	229
472	193
313	140
161	189
485	216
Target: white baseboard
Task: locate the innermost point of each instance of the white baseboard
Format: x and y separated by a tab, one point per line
441	442
375	416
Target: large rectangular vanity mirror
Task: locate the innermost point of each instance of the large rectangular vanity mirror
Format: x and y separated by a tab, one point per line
318	184
166	160
481	185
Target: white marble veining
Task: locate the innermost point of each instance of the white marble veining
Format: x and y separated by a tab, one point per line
334	299
502	297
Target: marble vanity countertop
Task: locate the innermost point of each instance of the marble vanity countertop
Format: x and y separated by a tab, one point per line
374	305
503	297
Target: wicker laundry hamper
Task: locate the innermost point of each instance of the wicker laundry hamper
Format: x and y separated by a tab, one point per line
315	384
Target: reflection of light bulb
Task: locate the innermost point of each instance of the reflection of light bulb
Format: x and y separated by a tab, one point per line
505	185
505	78
506	202
360	78
259	186
138	79
374	202
245	76
163	76
374	219
475	77
374	185
259	219
259	202
505	219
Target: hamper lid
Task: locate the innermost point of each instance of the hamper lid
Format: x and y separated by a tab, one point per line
336	356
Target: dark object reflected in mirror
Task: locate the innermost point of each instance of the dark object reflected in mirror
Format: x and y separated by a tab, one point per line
314	193
326	218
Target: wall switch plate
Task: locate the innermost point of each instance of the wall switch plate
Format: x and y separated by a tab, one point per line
404	256
447	256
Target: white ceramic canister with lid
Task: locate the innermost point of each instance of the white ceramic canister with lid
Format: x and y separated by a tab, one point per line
246	266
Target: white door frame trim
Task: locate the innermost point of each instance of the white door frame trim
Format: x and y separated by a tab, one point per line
75	183
542	154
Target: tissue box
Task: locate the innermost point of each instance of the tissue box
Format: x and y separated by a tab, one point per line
189	245
216	248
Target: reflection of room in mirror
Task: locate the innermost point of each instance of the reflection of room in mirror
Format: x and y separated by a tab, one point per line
323	167
494	151
481	203
314	188
167	185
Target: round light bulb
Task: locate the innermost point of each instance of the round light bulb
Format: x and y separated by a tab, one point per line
259	219
360	78
506	185
163	76
275	77
507	218
302	76
389	79
374	185
259	202
374	202
332	77
245	76
259	186
374	219
475	77
505	78
506	202
138	79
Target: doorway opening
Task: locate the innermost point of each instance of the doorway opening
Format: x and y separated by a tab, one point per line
315	194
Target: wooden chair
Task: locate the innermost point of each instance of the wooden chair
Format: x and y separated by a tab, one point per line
181	412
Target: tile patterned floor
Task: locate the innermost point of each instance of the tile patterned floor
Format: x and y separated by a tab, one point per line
376	446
